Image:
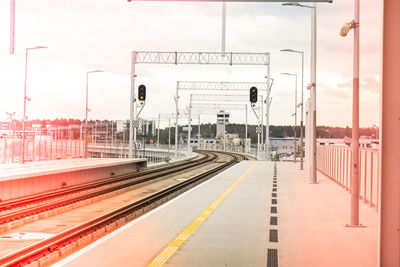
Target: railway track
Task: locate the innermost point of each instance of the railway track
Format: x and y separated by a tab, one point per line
37	198
57	246
33	205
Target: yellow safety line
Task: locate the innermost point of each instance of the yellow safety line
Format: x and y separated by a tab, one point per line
175	244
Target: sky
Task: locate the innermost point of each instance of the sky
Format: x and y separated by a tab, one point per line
88	35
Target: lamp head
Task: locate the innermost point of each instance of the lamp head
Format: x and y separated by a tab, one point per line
347	27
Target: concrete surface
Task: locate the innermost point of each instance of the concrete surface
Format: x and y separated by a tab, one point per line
310	228
36	177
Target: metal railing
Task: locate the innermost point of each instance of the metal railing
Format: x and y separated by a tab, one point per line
335	162
153	153
37	150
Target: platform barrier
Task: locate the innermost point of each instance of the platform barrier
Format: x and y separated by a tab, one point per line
335	162
38	150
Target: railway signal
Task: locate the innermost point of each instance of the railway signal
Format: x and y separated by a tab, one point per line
142	92
253	94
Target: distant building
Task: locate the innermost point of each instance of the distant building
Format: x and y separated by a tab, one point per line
221	117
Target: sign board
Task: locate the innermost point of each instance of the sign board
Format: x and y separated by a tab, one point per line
138	145
258	129
120	126
4	125
136	124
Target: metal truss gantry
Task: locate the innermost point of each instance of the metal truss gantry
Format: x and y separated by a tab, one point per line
221	98
216	107
192	58
231	86
220	86
226	98
196	58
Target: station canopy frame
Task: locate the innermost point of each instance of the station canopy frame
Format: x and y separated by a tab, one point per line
191	58
220	86
222	98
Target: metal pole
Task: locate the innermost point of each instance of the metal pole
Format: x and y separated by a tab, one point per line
295	120
224	131
24	114
112	134
189	124
132	109
223	26
86	116
355	178
169	136
389	245
12	25
258	134
158	132
198	139
302	107
262	121
95	132
246	149
267	110
176	120
313	161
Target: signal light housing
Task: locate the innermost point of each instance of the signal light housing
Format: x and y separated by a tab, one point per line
253	95
142	92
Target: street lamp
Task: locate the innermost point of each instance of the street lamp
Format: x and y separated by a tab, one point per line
313	87
329	133
376	131
295	112
355	134
25	99
11	121
87	109
267	102
12	25
301	104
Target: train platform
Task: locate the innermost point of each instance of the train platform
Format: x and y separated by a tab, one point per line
247	215
40	168
18	180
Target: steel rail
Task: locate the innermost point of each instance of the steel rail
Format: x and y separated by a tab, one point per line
23	213
31	199
41	249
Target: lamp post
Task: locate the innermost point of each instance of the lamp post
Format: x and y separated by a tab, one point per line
355	134
268	99
87	110
376	131
12	25
295	113
11	121
25	99
313	88
302	104
329	134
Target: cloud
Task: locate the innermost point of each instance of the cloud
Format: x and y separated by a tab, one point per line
100	34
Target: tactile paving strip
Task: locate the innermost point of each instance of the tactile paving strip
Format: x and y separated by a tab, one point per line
273	235
272	258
